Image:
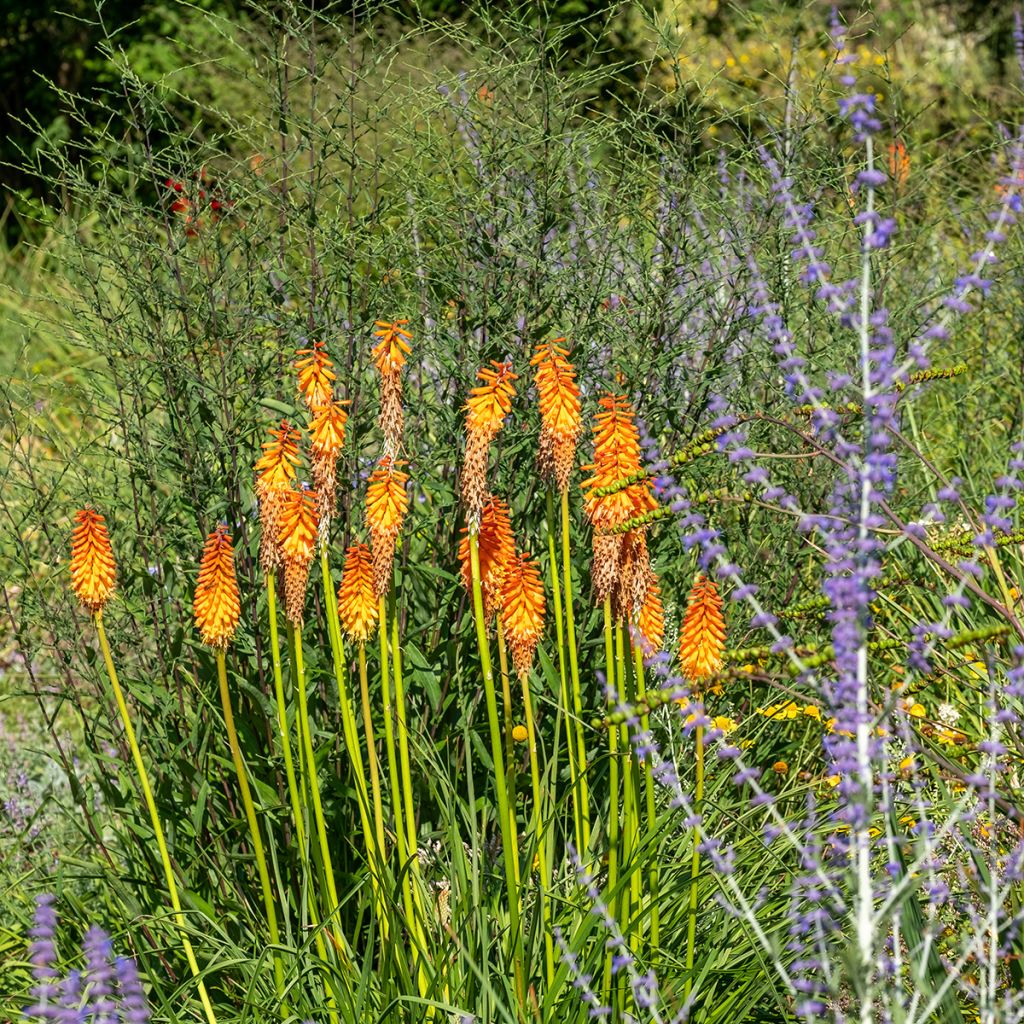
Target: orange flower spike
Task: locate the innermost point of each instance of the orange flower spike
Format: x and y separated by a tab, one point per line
316	376
389	353
386	499
216	605
275	468
92	560
357	601
522	611
702	637
497	549
298	523
650	620
559	400
327	429
490	403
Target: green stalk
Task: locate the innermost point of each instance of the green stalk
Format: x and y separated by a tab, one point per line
154	817
348	722
652	811
613	794
507	716
371	756
401	835
581	792
250	817
564	712
509	849
540	831
313	782
691	927
298	816
630	780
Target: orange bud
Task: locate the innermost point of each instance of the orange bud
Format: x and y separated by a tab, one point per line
386	505
92	560
390	351
496	547
297	535
490	403
702	637
357	602
650	620
559	399
275	476
216	605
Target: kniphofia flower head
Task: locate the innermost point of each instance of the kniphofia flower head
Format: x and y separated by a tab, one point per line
326	439
357	601
275	476
522	610
386	505
559	399
297	536
92	560
316	375
490	402
216	605
392	346
496	547
702	636
650	620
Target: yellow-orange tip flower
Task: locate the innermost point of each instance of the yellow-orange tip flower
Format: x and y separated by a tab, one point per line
650	620
216	605
702	637
522	611
491	402
275	468
386	499
357	602
92	560
392	346
297	534
327	429
559	400
497	549
316	376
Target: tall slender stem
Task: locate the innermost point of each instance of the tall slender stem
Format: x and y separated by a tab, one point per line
250	817
313	783
348	722
508	844
613	791
564	710
652	810
540	830
630	781
507	718
154	818
371	757
691	927
581	788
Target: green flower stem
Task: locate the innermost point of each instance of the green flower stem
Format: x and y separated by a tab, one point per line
371	757
540	830
613	794
507	716
580	787
154	817
508	844
564	711
691	927
250	817
419	923
306	739
630	781
348	724
652	811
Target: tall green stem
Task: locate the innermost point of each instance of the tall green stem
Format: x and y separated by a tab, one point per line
371	757
507	718
312	781
508	844
540	830
250	817
348	722
613	791
581	792
154	818
652	810
564	710
691	927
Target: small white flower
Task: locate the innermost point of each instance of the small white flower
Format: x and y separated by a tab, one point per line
947	714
